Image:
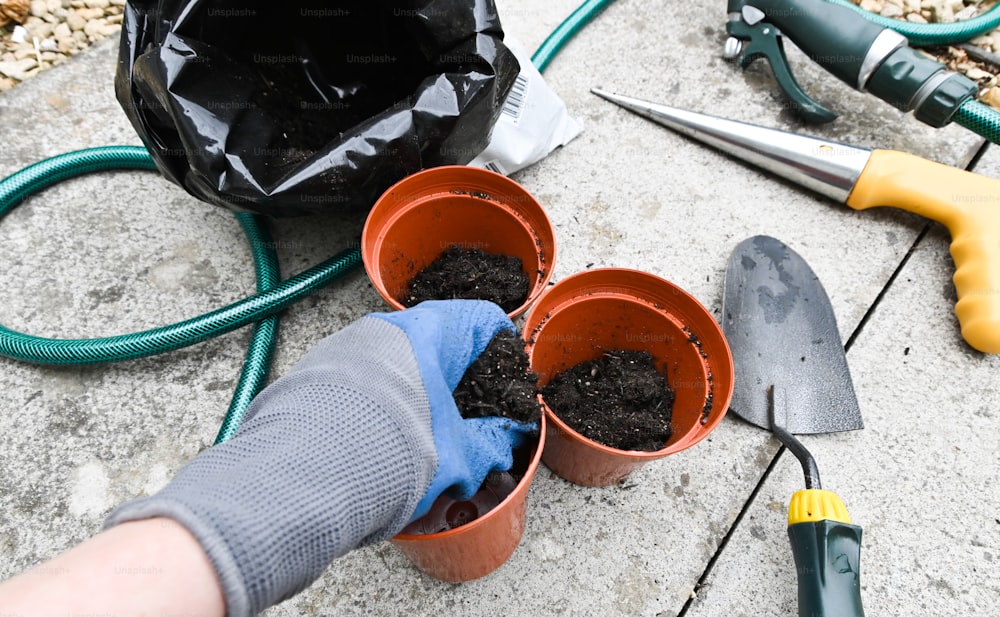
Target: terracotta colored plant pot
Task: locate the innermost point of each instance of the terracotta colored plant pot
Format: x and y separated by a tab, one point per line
600	310
479	547
424	214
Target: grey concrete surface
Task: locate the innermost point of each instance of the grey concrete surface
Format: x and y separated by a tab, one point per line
119	252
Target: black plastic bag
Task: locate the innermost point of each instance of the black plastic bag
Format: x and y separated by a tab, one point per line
295	108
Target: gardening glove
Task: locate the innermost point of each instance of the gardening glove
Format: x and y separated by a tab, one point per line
340	453
447	336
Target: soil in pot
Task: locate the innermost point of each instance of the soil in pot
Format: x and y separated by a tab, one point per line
619	400
500	383
471	274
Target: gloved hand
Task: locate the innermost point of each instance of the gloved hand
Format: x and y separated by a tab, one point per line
356	441
447	336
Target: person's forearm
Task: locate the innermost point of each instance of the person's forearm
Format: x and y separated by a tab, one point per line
147	567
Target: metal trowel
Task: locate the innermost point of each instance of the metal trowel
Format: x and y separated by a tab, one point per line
792	377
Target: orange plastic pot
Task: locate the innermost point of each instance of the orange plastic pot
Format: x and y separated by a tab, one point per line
413	222
600	310
479	547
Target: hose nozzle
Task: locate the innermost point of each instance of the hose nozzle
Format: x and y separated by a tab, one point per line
860	53
911	81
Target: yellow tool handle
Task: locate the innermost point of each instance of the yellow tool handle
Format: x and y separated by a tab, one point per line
968	205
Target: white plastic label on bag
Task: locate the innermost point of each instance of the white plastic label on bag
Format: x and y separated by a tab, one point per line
533	123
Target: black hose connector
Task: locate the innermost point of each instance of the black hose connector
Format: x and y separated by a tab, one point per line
911	81
941	103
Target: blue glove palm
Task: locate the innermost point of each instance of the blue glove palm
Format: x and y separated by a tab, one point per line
447	336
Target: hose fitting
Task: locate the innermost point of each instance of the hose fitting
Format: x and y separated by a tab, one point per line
911	81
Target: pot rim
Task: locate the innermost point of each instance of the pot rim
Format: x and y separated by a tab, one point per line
574	289
474	181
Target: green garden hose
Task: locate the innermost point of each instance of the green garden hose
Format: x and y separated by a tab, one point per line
925	35
980	119
579	18
257	363
272	295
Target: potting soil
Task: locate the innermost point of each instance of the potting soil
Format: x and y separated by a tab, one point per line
500	383
471	274
619	400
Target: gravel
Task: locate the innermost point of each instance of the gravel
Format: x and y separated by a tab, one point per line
39	34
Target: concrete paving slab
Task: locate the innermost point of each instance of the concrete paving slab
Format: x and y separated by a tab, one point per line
76	441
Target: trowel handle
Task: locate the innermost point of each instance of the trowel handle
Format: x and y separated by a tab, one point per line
827	554
968	205
827	551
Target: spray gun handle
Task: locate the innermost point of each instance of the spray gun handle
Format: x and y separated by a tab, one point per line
857	51
833	36
968	205
763	40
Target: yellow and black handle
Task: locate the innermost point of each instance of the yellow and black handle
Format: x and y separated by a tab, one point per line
827	551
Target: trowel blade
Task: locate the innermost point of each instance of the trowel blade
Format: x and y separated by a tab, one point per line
782	331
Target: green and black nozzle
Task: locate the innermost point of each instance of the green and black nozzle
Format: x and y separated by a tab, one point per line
860	53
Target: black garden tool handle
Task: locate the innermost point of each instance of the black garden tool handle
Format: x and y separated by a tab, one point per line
827	555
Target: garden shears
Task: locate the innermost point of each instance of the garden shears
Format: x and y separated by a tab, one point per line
967	204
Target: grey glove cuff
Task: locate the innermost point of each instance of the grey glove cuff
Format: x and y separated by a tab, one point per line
333	456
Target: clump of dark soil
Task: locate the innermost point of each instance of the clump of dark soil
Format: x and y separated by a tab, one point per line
500	383
619	400
471	274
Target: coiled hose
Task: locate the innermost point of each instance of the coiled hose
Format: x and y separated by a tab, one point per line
553	43
273	295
